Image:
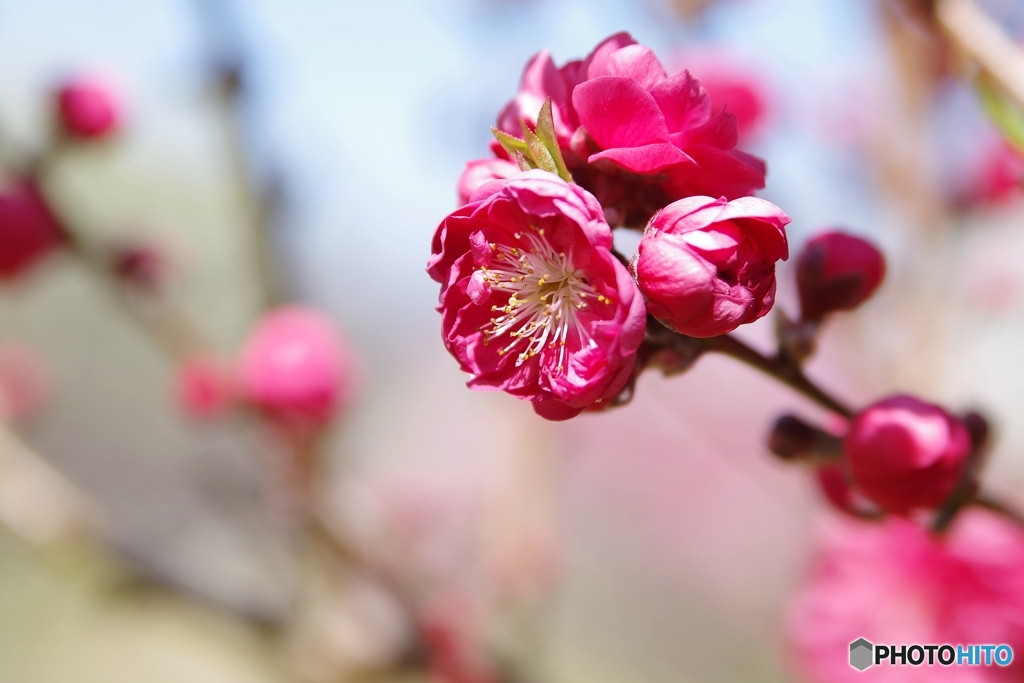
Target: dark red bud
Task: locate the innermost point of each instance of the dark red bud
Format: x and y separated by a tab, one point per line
837	272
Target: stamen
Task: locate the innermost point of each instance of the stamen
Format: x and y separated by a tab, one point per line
546	292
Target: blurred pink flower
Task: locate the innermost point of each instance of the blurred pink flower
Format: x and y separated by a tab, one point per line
532	300
25	382
894	583
28	228
633	135
480	171
837	272
205	386
905	454
296	367
707	266
998	177
87	108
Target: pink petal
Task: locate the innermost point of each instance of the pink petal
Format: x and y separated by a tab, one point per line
646	159
617	112
719	131
634	61
683	101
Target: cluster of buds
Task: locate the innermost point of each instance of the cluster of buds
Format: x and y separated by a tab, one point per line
85	111
294	368
534	298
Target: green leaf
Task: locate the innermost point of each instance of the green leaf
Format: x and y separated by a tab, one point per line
510	143
546	133
525	164
539	154
1004	112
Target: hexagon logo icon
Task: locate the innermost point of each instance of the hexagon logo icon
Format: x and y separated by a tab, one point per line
860	654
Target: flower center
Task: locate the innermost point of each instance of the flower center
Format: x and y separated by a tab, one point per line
547	294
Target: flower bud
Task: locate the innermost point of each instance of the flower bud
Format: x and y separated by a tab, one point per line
205	387
707	266
87	109
837	272
296	367
905	454
28	229
141	264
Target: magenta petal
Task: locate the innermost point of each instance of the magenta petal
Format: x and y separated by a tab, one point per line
635	61
722	173
719	131
541	76
646	159
683	101
617	112
605	48
555	410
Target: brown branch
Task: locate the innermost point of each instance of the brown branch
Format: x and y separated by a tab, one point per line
780	368
977	36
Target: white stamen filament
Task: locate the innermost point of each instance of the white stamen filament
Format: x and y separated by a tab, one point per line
547	293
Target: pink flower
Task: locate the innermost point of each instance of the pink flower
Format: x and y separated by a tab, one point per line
87	109
533	301
205	387
296	367
481	171
25	381
894	583
707	266
28	229
633	135
837	272
905	454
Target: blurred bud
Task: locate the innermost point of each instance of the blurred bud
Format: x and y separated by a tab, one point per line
28	229
837	272
296	367
835	483
205	387
453	653
87	109
905	454
25	381
142	265
793	439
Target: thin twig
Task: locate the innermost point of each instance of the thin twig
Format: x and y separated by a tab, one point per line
786	372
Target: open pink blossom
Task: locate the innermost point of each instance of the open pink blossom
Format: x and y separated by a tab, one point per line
895	583
296	367
707	266
480	171
87	109
905	454
631	134
533	301
28	228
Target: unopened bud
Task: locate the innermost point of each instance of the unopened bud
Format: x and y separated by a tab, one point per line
837	272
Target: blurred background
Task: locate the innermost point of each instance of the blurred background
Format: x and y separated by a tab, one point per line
304	151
